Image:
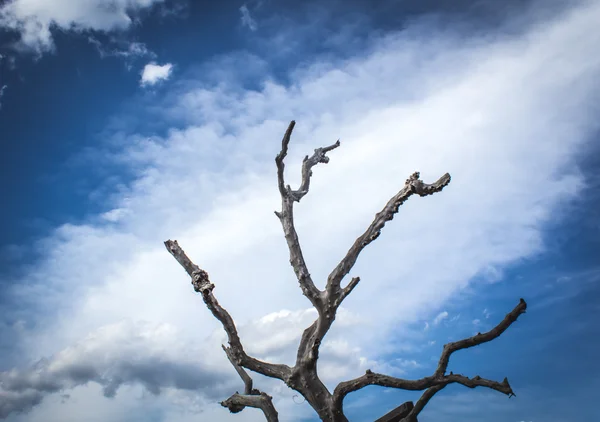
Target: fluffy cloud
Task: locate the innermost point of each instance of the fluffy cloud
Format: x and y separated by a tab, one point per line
154	73
507	117
34	20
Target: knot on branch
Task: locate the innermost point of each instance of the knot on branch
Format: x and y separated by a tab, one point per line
172	246
319	155
413	178
231	404
201	282
417	186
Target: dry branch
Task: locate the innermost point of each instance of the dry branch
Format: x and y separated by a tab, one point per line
252	397
439	379
413	185
286	216
202	284
303	376
237	402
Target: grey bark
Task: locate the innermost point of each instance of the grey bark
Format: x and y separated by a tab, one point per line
397	414
303	376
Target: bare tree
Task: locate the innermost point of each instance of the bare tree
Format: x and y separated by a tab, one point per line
303	376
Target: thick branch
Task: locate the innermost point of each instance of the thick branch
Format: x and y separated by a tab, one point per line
421	403
202	284
263	401
286	216
412	186
372	378
397	414
438	379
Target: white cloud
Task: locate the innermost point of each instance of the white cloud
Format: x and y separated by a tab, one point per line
440	317
247	19
506	116
154	73
34	20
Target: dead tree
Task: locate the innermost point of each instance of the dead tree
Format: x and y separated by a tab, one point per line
303	376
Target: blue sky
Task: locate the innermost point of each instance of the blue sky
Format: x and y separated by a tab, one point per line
126	123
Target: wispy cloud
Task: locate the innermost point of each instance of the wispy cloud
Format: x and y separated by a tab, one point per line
247	19
2	89
127	50
440	317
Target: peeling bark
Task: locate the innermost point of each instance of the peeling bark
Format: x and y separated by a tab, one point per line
303	376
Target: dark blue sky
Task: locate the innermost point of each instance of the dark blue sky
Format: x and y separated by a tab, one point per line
65	112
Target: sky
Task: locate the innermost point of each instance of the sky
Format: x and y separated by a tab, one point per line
126	123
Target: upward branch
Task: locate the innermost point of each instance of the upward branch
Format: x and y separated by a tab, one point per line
251	397
413	185
286	216
202	285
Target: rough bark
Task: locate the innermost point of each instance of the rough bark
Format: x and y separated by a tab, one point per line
397	414
303	376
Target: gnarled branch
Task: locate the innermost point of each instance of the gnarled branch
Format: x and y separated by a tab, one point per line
286	216
202	284
413	185
421	403
251	397
397	414
237	402
438	380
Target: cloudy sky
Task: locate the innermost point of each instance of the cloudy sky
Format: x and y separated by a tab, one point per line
125	123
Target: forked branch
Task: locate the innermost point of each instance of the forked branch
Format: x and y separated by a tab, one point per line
439	379
237	402
413	185
286	216
251	397
202	285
